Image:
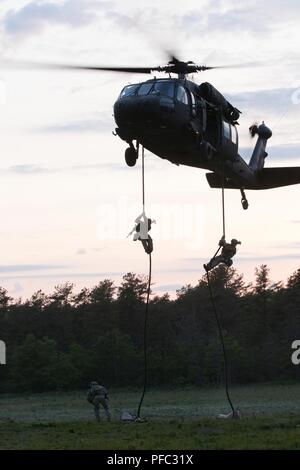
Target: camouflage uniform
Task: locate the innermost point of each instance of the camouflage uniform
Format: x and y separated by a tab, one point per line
98	395
228	251
141	229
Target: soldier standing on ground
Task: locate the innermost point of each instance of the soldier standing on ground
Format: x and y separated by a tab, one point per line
98	395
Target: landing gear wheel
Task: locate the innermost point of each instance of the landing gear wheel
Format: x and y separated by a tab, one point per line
130	156
244	201
245	204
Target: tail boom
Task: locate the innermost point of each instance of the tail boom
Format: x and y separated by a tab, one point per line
267	178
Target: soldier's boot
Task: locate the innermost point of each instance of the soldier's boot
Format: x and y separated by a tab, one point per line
108	415
213	263
147	244
97	413
106	410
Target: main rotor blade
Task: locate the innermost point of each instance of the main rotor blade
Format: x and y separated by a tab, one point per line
19	65
234	66
174	66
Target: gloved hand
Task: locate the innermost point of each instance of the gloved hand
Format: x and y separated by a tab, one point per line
221	242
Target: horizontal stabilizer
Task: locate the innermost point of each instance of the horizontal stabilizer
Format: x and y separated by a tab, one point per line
266	178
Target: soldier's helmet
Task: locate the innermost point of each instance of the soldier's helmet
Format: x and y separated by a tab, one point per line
92	384
235	242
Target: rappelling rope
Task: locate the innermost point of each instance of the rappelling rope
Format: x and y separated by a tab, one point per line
223	198
215	308
143	177
223	345
145	339
223	210
147	301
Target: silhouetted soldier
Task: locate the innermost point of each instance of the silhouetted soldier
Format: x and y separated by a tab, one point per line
141	229
98	395
228	251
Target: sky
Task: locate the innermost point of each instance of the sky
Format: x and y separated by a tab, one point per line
67	198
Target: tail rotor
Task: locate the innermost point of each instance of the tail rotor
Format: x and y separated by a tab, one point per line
253	130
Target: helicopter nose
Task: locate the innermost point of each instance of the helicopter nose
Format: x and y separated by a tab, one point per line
136	110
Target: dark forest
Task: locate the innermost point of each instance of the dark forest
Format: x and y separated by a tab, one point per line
64	340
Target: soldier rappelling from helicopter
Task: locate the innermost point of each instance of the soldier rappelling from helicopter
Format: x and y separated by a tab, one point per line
227	253
142	227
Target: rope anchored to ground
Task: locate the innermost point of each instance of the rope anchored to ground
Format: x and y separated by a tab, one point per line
140	232
228	251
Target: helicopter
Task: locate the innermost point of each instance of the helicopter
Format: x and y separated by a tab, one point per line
194	125
189	124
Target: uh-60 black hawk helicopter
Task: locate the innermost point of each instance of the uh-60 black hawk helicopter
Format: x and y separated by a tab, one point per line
189	124
194	125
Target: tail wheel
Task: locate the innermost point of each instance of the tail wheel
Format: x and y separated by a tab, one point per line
245	204
130	156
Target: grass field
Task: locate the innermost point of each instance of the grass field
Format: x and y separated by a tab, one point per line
176	419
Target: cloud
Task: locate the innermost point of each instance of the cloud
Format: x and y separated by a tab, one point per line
125	22
200	261
35	16
243	259
262	259
67	275
168	287
16	289
81	126
291	245
236	16
31	169
98	166
231	20
276	152
15	268
278	104
26	169
81	251
283	152
268	100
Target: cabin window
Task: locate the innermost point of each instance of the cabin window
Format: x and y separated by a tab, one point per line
129	90
234	134
193	104
226	130
164	87
145	88
182	95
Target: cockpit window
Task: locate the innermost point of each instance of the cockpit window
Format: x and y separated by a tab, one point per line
194	107
226	130
164	87
182	95
145	88
129	90
234	137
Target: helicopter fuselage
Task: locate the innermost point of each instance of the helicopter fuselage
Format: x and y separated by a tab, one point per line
184	123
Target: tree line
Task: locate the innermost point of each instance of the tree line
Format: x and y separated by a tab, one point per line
64	340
